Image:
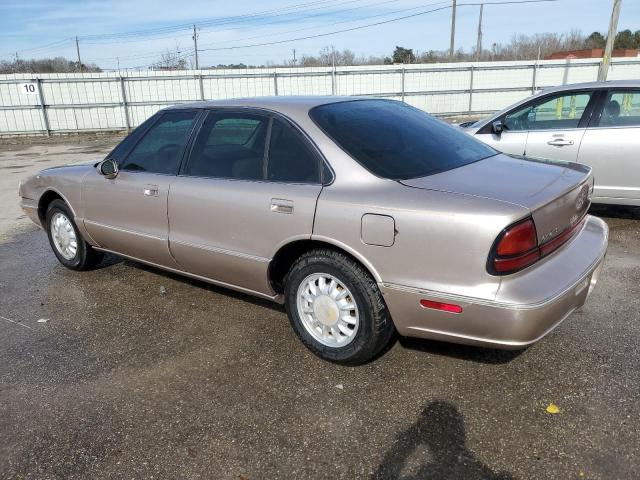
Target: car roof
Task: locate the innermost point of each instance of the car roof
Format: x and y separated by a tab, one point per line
586	85
299	104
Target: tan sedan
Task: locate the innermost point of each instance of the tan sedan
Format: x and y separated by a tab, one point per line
362	216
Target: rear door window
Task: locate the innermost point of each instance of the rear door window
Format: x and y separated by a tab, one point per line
290	159
621	109
229	145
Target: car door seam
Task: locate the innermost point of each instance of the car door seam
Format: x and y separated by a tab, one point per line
169	229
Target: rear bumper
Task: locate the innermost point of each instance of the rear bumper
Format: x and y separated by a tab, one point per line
528	304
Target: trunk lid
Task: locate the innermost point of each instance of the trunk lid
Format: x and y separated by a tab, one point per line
556	193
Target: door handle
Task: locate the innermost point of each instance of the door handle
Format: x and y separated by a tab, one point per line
560	142
151	190
280	205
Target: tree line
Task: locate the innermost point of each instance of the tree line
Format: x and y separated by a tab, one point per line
46	65
521	47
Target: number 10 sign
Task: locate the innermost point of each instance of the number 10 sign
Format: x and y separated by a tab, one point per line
28	88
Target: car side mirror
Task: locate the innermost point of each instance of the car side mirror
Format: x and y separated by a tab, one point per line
108	168
497	127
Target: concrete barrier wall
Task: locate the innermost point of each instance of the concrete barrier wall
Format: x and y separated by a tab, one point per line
52	103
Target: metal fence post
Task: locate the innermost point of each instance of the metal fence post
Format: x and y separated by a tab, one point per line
470	90
275	83
201	87
45	116
535	74
124	104
403	83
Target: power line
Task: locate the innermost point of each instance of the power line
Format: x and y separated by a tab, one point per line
334	23
283	11
335	32
333	12
151	54
211	20
319	35
360	27
176	27
56	44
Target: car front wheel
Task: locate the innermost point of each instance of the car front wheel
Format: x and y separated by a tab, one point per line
336	308
65	239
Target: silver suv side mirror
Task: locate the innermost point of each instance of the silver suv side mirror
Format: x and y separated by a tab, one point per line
108	168
497	127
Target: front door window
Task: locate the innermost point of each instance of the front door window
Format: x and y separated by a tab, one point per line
557	113
160	150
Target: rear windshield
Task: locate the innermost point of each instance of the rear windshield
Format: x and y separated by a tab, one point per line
394	140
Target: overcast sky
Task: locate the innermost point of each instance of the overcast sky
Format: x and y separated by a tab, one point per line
28	25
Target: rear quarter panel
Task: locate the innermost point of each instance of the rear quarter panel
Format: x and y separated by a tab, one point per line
442	240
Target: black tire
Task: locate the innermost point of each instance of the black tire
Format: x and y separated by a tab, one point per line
85	258
375	328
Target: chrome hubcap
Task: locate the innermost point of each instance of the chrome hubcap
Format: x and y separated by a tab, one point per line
64	236
328	310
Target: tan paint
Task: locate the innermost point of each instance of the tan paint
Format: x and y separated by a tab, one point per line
227	231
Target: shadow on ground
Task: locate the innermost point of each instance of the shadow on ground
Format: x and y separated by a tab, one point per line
440	428
462	352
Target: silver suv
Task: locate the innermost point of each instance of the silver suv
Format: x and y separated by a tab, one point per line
596	124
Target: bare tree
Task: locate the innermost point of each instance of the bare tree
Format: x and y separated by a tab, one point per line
171	60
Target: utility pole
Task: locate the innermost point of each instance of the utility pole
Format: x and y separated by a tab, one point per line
453	29
479	44
611	37
294	56
195	45
78	52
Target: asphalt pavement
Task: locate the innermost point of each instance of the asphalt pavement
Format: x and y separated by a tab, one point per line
131	372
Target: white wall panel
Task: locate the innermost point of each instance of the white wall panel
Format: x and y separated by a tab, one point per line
93	101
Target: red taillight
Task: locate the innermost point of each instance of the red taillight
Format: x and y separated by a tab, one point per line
513	264
517	247
445	307
518	239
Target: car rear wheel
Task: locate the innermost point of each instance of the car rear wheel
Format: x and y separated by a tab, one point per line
336	308
66	242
